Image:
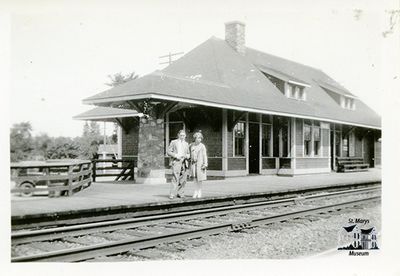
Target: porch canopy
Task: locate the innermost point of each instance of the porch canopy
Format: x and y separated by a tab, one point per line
123	117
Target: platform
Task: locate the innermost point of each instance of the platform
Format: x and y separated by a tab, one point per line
109	194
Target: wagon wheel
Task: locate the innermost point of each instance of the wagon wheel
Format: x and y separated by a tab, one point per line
26	185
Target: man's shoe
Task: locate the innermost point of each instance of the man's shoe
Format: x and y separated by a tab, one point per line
180	196
171	197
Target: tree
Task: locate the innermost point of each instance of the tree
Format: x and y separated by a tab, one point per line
21	145
89	141
119	78
61	148
41	144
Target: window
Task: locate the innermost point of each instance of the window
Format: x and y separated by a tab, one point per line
347	103
317	138
307	138
239	139
302	95
266	140
295	92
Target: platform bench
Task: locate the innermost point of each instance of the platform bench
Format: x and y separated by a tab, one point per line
351	164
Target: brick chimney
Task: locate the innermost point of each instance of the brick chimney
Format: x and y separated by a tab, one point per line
234	36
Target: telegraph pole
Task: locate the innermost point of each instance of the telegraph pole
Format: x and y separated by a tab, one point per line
169	56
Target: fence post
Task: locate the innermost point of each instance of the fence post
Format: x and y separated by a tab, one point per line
133	170
70	171
94	170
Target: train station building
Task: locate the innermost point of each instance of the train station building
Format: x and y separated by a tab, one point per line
259	113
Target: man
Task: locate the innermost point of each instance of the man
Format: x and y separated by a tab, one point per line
178	151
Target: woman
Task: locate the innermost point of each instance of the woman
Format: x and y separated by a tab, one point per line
198	161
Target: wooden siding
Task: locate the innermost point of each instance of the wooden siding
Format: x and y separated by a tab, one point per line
215	163
236	163
268	163
310	163
299	137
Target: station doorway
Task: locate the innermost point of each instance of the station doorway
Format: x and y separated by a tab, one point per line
254	148
369	150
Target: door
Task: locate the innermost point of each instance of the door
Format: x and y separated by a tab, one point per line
254	148
369	150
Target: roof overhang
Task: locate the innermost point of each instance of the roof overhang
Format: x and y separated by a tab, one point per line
218	105
106	114
282	76
335	89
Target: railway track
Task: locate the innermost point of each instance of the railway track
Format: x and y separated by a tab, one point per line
88	241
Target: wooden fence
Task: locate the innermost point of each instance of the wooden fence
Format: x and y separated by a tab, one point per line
57	177
122	169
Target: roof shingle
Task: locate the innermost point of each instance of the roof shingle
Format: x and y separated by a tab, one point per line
213	73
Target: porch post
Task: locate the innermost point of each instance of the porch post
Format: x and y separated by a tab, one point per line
224	141
293	144
334	148
119	141
150	163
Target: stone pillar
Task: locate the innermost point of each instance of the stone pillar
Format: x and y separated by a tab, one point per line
150	163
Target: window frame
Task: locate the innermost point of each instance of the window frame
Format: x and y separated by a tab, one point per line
304	139
270	145
234	139
295	92
317	126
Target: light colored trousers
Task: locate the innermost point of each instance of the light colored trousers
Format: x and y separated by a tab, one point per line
179	178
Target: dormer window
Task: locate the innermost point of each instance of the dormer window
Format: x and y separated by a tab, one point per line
290	86
341	96
347	103
295	92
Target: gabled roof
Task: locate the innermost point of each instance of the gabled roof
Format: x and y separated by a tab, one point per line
349	228
214	74
367	231
103	113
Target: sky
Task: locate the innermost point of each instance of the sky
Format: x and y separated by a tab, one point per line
62	52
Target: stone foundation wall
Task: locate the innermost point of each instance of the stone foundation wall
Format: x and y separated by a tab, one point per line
151	148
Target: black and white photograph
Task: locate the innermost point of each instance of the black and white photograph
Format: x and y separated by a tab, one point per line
173	136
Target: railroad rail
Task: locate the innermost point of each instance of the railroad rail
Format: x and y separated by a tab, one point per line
145	232
74	217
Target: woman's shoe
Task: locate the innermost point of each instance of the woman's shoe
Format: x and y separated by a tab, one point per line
199	194
195	195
